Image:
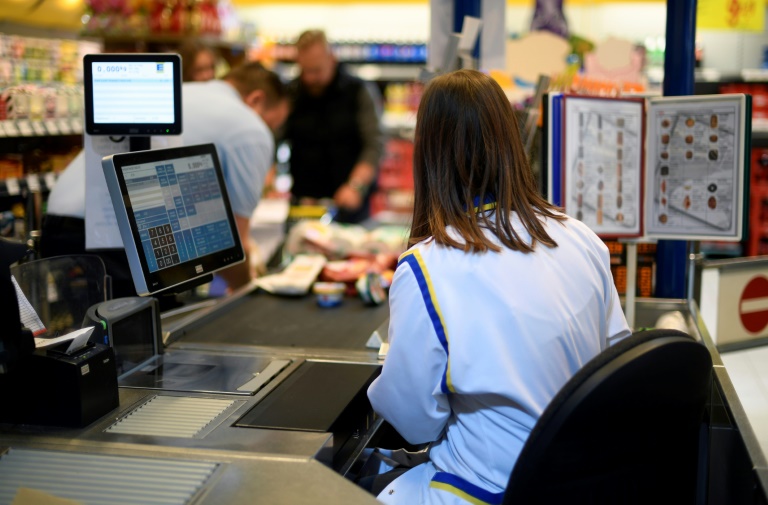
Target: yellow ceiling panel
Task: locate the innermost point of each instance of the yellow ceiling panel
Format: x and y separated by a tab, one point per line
245	3
61	14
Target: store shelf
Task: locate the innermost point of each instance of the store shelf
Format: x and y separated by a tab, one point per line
397	122
233	52
26	128
33	183
365	71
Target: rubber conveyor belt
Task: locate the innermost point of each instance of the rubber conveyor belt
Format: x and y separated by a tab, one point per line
263	319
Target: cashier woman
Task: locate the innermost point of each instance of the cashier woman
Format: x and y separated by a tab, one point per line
498	302
237	113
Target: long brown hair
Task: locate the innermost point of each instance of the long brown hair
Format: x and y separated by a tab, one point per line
468	148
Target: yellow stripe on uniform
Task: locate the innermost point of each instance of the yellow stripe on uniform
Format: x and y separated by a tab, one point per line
458	492
413	257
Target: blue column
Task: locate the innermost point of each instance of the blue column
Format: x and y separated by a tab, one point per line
463	8
679	63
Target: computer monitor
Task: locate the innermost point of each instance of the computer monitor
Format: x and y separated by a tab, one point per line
174	215
132	94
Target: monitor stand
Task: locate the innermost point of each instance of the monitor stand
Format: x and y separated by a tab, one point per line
167	299
139	143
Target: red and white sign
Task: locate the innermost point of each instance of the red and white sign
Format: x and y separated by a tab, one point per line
734	301
753	304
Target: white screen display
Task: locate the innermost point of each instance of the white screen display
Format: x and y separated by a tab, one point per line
132	93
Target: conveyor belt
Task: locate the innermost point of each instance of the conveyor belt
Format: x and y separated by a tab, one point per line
268	320
98	479
171	416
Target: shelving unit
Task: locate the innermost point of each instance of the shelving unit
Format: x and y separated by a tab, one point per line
40	121
233	53
755	83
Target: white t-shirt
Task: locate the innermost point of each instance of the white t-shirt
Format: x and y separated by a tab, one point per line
212	112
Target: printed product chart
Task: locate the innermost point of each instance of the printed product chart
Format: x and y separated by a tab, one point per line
603	164
695	165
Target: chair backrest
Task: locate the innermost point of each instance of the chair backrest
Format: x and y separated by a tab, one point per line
625	429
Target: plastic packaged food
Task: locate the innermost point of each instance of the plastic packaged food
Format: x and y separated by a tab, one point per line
329	294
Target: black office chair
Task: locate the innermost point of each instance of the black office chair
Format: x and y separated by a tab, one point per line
625	429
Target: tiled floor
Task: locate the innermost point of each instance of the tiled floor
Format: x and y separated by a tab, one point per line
748	370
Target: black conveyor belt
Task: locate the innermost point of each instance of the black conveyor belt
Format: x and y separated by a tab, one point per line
268	320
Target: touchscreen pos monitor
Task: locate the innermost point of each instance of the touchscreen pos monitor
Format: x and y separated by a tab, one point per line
132	94
174	215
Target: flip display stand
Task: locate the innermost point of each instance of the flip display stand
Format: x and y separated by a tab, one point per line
681	170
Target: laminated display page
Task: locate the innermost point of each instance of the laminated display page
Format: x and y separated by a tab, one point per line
603	164
695	168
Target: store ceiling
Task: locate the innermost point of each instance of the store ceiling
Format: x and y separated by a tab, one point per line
60	14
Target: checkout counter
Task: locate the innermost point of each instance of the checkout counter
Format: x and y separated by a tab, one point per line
205	431
261	398
225	447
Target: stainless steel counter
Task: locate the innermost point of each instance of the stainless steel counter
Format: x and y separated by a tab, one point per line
238	477
256	465
737	468
253	465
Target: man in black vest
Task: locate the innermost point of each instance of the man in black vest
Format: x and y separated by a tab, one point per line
334	132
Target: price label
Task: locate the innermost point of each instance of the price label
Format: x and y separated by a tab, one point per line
33	183
10	129
50	125
38	128
64	127
50	180
12	185
25	128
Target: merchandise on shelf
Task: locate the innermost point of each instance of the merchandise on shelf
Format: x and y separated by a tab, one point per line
402	97
38	102
42	61
759	92
348	51
11	165
646	266
757	244
144	17
394	185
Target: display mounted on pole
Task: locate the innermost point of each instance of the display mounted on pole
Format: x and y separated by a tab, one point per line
602	168
696	178
662	168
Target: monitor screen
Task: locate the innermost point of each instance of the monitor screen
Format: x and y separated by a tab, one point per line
174	215
132	94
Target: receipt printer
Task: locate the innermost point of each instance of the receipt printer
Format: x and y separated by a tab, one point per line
53	388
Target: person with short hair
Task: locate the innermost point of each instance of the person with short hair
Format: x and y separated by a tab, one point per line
238	114
334	132
198	61
498	302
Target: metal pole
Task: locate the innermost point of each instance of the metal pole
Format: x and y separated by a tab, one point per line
629	296
679	62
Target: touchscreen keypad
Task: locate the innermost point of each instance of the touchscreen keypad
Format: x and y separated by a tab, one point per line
164	246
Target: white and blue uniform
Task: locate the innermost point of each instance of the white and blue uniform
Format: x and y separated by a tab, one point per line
479	345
